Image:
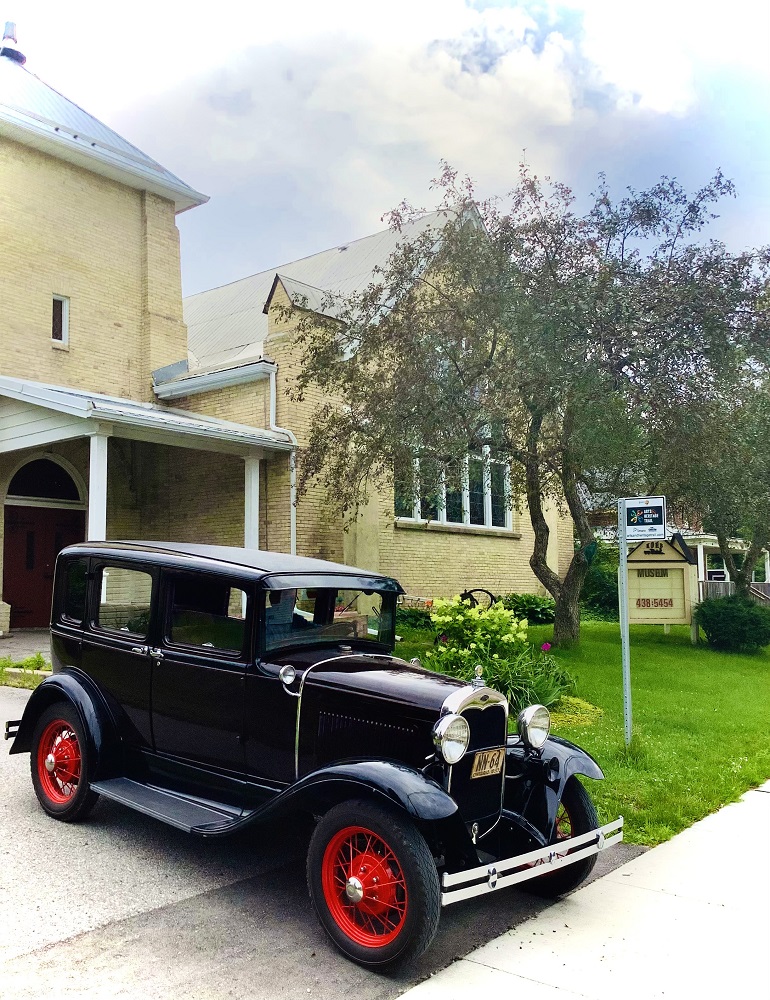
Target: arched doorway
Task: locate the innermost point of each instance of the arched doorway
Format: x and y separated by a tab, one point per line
44	512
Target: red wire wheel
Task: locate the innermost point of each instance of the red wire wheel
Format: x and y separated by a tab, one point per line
59	761
60	764
374	883
364	887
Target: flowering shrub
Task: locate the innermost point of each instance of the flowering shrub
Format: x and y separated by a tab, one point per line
459	624
495	639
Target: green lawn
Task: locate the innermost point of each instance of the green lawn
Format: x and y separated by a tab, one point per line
21	673
701	724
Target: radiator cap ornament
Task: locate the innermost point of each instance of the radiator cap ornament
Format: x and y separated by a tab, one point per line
478	680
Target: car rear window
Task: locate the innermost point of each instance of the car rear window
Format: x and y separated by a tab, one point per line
75	572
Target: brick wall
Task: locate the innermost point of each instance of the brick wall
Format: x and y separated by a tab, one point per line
113	251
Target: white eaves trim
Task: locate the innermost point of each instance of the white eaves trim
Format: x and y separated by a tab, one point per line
190	384
146	419
99	159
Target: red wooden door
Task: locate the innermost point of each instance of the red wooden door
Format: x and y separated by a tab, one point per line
33	538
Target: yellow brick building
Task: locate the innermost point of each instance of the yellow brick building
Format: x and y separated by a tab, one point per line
123	416
92	305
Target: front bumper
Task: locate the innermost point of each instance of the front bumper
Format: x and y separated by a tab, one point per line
12	729
509	871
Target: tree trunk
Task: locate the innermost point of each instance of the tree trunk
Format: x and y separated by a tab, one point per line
566	625
566	629
566	592
534	486
742	577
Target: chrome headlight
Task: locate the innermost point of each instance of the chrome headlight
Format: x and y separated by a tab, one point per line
451	736
534	725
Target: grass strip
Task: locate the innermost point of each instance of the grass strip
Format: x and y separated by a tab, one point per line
21	673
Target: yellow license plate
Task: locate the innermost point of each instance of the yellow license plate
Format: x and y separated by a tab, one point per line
487	762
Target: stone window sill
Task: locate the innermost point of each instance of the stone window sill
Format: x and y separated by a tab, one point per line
477	530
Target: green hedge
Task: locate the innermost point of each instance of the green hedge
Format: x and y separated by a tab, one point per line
734	624
536	609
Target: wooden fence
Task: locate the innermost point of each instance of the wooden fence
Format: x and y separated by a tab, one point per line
760	592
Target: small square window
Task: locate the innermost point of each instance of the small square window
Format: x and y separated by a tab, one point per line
60	321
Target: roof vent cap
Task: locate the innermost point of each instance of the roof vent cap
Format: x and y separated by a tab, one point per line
10	45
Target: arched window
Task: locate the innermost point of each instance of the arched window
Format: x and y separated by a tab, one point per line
44	480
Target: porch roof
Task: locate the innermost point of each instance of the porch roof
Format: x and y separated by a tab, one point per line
82	413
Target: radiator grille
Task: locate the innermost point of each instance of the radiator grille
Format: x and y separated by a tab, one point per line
488	727
480	798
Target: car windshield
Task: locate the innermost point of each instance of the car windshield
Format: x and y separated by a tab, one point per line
309	615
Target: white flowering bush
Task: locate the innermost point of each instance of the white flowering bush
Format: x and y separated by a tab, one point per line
457	623
495	639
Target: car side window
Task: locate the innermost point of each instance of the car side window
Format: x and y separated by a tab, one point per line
74	587
124	600
207	611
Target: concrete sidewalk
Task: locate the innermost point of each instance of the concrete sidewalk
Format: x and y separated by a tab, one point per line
24	642
689	919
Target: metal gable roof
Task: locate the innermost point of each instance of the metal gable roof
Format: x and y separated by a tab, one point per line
35	114
228	322
146	417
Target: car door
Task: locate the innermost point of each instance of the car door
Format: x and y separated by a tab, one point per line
114	647
199	669
272	707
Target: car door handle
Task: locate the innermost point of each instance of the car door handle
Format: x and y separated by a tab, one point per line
142	650
156	654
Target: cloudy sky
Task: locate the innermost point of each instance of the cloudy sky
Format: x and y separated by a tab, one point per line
306	120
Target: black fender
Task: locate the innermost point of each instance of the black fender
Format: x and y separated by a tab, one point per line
421	798
433	811
535	780
79	690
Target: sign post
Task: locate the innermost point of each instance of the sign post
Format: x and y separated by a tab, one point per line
638	518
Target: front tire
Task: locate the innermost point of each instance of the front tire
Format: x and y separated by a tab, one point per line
60	765
576	815
373	884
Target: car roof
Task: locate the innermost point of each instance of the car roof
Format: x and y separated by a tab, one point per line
257	563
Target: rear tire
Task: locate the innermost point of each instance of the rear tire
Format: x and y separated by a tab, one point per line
60	764
576	815
373	884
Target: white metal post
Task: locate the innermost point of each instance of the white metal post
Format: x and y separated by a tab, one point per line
97	489
625	650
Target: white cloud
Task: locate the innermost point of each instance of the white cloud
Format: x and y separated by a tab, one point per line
306	121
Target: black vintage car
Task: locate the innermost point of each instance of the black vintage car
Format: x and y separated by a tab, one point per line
214	687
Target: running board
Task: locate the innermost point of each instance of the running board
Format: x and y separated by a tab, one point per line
510	871
185	812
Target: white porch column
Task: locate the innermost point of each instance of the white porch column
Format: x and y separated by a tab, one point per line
767	566
701	562
251	504
97	489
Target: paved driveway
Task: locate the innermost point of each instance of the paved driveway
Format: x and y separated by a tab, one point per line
124	906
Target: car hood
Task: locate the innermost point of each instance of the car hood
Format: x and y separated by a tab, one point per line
383	677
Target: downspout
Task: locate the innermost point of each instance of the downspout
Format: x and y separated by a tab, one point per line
292	462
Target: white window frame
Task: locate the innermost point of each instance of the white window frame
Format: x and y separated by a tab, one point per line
62	344
441	517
